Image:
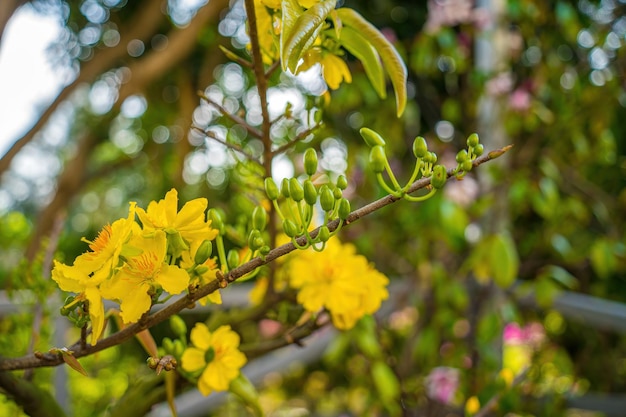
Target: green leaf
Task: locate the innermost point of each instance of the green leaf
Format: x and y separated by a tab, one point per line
297	38
291	11
392	61
242	387
504	260
602	258
359	46
386	382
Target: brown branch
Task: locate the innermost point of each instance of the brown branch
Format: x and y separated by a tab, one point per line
48	359
141	26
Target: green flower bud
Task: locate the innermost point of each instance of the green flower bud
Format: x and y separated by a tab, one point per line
462	156
252	237
232	259
472	140
310	161
201	270
371	137
264	250
152	362
295	190
478	149
258	242
327	200
65	311
420	147
168	345
467	166
216	220
432	157
203	253
290	228
179	348
337	193
259	218
324	234
378	159
178	326
344	209
284	187
342	182
310	193
271	189
439	177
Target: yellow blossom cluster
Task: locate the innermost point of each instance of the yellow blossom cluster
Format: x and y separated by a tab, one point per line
130	263
215	355
338	280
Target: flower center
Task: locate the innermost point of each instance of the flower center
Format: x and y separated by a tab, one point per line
100	243
209	355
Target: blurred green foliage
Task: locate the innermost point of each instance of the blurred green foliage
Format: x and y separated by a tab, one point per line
547	219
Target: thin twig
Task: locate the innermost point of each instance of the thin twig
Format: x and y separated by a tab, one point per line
238	120
48	359
300	136
232	146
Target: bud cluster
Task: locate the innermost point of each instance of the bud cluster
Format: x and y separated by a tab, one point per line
300	199
425	164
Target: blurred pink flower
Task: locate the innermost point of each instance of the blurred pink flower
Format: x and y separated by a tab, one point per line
531	335
454	12
442	383
519	100
500	84
447	13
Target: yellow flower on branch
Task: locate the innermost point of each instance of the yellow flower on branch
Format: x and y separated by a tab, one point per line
182	227
339	280
74	279
216	355
107	247
137	280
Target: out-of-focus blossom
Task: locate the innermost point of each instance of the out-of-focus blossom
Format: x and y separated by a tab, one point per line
500	84
519	100
442	384
463	192
519	344
454	12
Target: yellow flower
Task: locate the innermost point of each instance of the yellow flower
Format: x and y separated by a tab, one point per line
73	279
106	248
216	354
189	223
136	280
339	280
334	69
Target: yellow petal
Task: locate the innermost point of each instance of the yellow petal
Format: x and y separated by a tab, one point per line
193	359
135	302
96	313
173	279
201	336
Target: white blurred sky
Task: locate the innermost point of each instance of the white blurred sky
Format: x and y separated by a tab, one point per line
27	81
